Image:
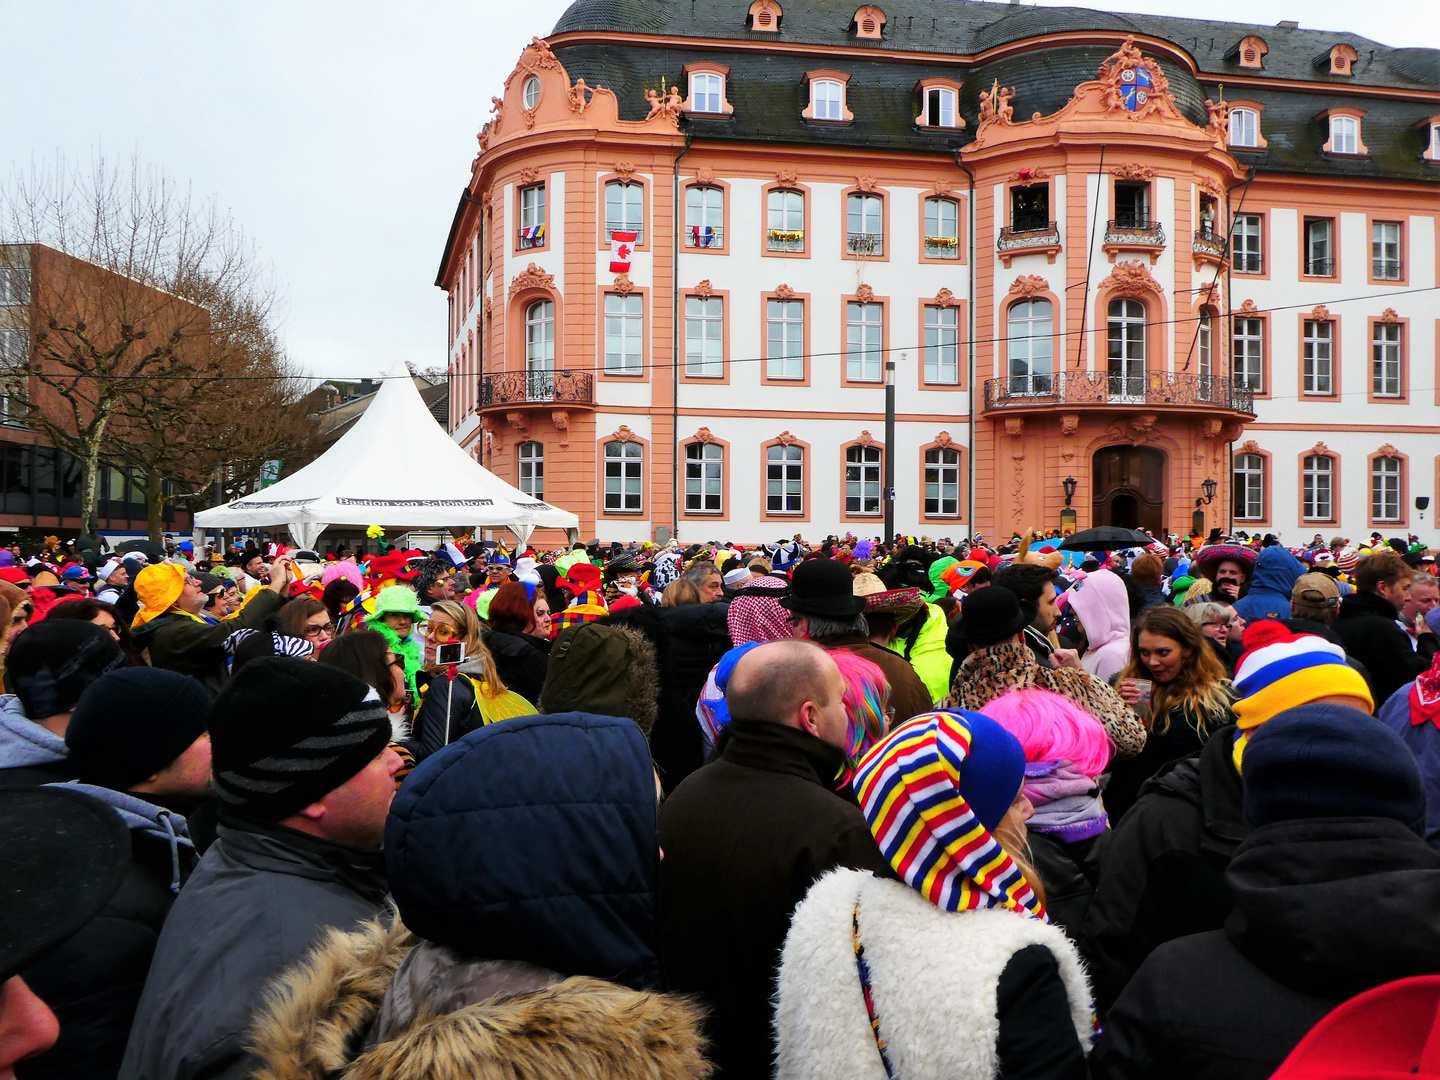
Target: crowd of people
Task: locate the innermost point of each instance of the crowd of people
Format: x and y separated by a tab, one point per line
905	808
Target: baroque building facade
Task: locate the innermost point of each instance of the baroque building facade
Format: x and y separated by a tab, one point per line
1110	257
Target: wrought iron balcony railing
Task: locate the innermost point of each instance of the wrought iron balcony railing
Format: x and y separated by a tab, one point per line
1028	233
865	243
1387	269
1132	229
1157	388
705	236
942	247
537	388
1319	267
785	240
1208	242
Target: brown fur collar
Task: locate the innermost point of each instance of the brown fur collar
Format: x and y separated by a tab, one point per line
313	1025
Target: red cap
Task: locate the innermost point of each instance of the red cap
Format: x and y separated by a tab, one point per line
14	574
1390	1031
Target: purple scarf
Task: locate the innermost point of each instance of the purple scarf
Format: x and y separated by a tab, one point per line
1067	802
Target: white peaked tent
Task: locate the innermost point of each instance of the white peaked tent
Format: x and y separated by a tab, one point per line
395	467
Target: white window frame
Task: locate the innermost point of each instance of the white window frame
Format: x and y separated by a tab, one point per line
1317	488
532	211
624	198
1317	350
530	456
1320	237
704	337
784	214
14	349
624	477
540	336
1251	489
1344	135
1387	370
1385	487
704	478
827	99
1247	352
1030	346
864	224
14	285
1125	335
1244	128
624	334
530	92
864	481
1247	244
784	480
704	209
940	107
864	341
942	344
1205	354
1386	240
942	482
784	327
942	222
707	92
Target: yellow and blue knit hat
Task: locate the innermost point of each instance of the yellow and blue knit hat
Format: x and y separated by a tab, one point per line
1281	669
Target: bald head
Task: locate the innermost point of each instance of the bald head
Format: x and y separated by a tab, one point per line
793	683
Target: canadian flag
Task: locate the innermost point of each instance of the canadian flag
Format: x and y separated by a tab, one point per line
621	245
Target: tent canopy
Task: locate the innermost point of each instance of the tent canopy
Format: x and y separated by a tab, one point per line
395	467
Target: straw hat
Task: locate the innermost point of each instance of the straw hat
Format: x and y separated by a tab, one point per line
902	603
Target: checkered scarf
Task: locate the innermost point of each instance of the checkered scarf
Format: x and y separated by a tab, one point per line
588	607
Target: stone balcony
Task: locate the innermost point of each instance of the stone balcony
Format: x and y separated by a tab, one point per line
541	389
1161	390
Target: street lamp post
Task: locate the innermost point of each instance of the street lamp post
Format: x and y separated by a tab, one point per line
1197	521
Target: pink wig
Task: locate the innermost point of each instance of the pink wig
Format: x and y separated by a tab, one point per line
867	706
343	569
1052	728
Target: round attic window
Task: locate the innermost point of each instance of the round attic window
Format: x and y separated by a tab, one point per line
531	92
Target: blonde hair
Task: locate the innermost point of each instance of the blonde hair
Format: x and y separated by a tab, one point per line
679	593
1200	688
1200	588
468	623
1016	842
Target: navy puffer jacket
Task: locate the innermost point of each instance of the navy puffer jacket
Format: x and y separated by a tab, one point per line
534	839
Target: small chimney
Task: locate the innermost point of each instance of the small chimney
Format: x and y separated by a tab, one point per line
1288	24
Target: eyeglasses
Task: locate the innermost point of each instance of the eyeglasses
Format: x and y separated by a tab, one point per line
316	631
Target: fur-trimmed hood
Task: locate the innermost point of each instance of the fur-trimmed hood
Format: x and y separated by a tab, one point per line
317	1016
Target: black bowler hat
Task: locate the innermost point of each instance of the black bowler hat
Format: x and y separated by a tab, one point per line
993	613
824	588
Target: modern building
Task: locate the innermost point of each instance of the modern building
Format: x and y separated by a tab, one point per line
40	484
1112	257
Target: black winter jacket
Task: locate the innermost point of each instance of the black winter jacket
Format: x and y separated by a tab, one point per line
1180	739
261	896
1068	870
1162	869
1325	909
93	981
744	839
1367	628
698	636
520	660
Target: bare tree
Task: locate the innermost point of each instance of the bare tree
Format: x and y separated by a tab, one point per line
140	295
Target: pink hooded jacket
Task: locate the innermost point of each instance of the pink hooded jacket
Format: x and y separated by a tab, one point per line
1103	608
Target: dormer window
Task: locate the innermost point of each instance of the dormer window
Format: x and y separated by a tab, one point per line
1244	127
940	104
764	17
1250	53
869	22
1341	60
1345	137
707	89
827	97
1431	126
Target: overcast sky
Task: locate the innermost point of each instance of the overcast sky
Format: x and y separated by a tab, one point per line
340	135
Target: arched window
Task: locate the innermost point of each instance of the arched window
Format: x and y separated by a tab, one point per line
827	99
785	220
704	478
1125	335
942	229
865	225
624	475
1344	135
1030	347
1249	486
1318	479
942	482
706	92
531	456
625	209
704	216
1244	127
940	107
539	350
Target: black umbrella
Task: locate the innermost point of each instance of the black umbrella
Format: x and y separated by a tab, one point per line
1106	538
151	550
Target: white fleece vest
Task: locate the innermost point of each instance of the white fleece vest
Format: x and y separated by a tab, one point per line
933	974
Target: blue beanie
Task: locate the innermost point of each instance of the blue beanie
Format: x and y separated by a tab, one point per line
1330	761
993	770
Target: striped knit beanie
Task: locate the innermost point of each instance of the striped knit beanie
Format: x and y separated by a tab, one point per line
1281	669
285	732
932	792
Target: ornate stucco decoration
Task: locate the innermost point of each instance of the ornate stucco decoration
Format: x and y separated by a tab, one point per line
786	439
1249	446
623	434
866	439
1069	425
666	107
623	285
1219	126
624	169
1028	176
865	294
1388	450
705	174
704	435
1125	75
865	183
1131	278
942	188
944	298
532	277
1389	316
529	174
995	107
561	419
517	421
1247	308
1320	450
784	292
576	97
1133	171
1028	285
705	289
785	176
944	441
1320	313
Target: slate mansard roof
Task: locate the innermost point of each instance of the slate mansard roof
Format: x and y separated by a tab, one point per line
767	91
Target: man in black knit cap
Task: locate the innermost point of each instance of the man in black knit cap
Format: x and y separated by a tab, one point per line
304	776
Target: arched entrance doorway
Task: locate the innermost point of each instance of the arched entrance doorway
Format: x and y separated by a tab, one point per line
1130	487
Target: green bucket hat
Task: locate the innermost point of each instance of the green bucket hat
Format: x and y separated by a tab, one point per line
398	600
